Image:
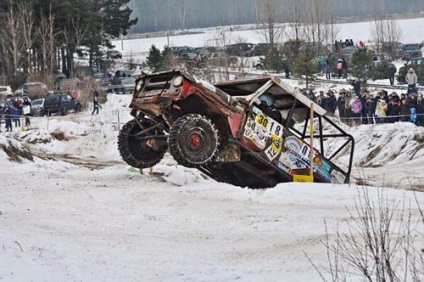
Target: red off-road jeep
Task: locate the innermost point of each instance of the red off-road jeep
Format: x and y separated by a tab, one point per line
221	130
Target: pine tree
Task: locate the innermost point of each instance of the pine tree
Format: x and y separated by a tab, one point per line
361	64
155	60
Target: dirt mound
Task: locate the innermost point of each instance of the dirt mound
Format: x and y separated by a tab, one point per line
15	151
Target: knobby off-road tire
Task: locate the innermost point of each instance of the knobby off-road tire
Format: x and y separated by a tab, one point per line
193	140
135	151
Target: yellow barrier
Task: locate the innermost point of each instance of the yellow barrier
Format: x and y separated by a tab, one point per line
303	178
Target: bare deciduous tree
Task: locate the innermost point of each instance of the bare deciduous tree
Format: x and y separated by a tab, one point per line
12	40
46	40
379	244
384	28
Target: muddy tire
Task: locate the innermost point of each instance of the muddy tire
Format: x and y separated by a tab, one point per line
134	150
193	140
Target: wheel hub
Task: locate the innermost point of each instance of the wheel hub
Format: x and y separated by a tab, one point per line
195	141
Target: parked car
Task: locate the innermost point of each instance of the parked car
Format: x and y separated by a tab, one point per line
87	71
128	84
33	90
5	91
392	49
411	50
113	54
347	52
240	49
376	59
61	103
221	59
37	107
261	49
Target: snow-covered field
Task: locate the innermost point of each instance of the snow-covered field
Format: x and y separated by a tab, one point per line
71	210
411	30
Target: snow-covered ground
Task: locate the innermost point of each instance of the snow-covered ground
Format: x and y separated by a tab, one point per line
72	210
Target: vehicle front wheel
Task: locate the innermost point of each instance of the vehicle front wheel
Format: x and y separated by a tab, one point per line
193	140
138	151
78	108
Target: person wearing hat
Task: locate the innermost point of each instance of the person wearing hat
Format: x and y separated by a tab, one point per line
356	108
411	79
381	111
339	68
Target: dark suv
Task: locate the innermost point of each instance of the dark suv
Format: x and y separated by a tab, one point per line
224	130
412	50
61	103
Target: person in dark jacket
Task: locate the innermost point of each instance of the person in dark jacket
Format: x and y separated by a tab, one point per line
286	68
96	105
8	117
405	111
393	109
370	105
356	86
391	72
327	69
420	110
344	67
331	103
341	105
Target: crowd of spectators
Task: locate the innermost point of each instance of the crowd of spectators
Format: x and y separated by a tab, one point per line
372	108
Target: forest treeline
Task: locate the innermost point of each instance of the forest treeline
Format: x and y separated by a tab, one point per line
162	15
40	37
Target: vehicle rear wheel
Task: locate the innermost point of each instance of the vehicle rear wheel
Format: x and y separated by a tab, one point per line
193	140
65	111
139	152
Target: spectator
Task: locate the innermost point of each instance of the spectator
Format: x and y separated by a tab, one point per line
393	108
16	113
8	116
391	71
339	68
344	67
27	106
321	100
327	69
286	68
380	111
411	79
331	103
420	110
363	98
96	105
341	104
405	111
356	108
348	99
370	105
356	86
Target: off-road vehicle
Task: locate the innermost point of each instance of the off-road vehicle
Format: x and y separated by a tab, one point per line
221	130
